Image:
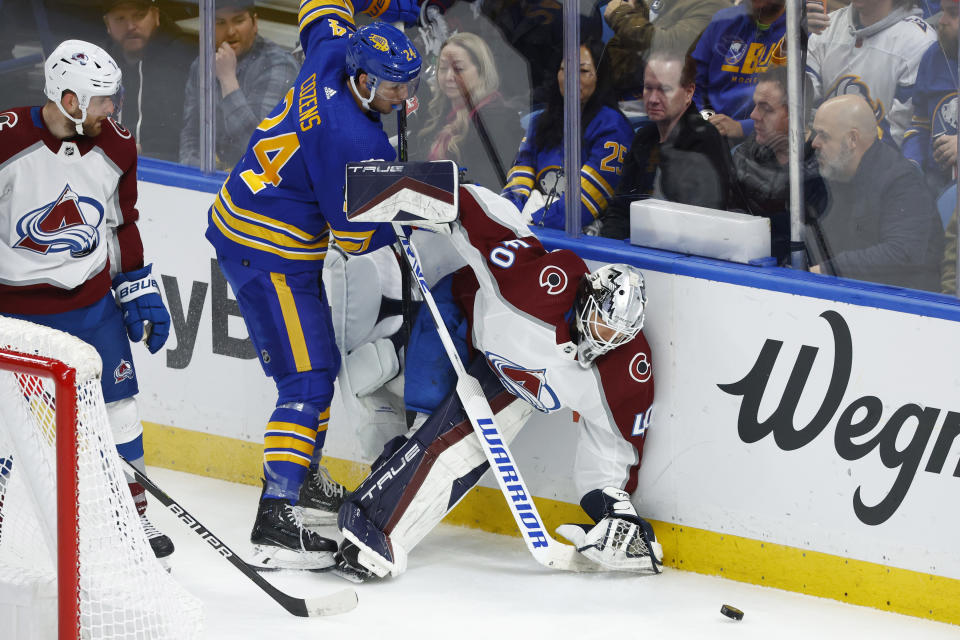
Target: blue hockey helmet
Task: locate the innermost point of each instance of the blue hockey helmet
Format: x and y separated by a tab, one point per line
390	60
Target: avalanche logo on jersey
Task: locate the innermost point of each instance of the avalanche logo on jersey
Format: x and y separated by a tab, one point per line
8	119
527	384
945	116
124	371
62	225
553	279
640	367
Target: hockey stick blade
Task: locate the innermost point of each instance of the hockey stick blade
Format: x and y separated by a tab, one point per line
545	549
328	605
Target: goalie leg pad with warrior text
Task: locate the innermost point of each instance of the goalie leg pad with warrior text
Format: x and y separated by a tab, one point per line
415	487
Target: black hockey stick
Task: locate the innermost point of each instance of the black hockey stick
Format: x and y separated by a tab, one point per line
329	605
406	283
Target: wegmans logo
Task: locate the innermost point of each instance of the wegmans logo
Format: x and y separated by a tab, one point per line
855	432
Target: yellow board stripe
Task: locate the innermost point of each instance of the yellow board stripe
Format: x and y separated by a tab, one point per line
291	319
686	548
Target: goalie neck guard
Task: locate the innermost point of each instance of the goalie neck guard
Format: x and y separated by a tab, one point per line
85	70
389	59
609	310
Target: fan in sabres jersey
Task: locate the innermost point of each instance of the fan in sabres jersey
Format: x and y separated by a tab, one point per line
535	183
271	225
71	257
931	140
542	332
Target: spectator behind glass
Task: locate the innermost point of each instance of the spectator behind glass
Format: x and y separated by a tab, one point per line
253	74
760	184
606	134
931	141
948	268
879	222
739	43
664	25
677	155
871	48
466	102
153	55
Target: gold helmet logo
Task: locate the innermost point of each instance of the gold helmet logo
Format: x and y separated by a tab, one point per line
380	43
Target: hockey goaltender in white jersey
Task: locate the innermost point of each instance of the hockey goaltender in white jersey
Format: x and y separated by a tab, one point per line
541	333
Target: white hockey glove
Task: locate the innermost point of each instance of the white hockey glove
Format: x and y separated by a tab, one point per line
534	204
620	540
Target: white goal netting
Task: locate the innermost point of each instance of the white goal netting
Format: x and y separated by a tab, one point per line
123	590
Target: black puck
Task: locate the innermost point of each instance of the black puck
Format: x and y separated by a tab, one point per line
731	612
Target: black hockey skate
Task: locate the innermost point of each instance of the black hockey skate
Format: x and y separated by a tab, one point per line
348	567
161	544
320	498
281	541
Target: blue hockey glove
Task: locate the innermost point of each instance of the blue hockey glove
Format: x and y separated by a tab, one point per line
140	300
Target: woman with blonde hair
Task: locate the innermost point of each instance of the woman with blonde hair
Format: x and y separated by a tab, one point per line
468	119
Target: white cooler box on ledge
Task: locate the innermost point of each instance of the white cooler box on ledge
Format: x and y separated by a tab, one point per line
712	233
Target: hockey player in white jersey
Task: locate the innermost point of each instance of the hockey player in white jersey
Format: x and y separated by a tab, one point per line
71	257
542	333
871	48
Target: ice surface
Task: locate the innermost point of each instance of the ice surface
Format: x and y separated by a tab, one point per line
463	583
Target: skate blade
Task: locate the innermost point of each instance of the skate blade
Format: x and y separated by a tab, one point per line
270	557
315	517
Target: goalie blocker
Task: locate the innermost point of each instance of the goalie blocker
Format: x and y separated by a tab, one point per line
421	194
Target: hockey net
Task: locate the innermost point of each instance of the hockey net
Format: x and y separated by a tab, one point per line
74	559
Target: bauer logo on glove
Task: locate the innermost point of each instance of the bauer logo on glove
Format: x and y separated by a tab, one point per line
144	312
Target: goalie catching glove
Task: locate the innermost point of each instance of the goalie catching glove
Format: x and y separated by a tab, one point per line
139	297
620	540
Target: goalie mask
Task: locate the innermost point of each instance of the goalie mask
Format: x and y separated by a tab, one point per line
609	310
87	71
389	59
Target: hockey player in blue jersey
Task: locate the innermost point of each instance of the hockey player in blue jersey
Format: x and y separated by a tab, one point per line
271	224
931	140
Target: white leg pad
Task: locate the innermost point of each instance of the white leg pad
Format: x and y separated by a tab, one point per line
370	366
124	419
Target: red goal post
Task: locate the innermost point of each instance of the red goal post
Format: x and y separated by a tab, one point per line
66	516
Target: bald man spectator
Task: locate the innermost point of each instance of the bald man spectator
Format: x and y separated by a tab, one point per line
879	222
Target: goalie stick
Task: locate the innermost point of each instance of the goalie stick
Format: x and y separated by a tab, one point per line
329	605
544	548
